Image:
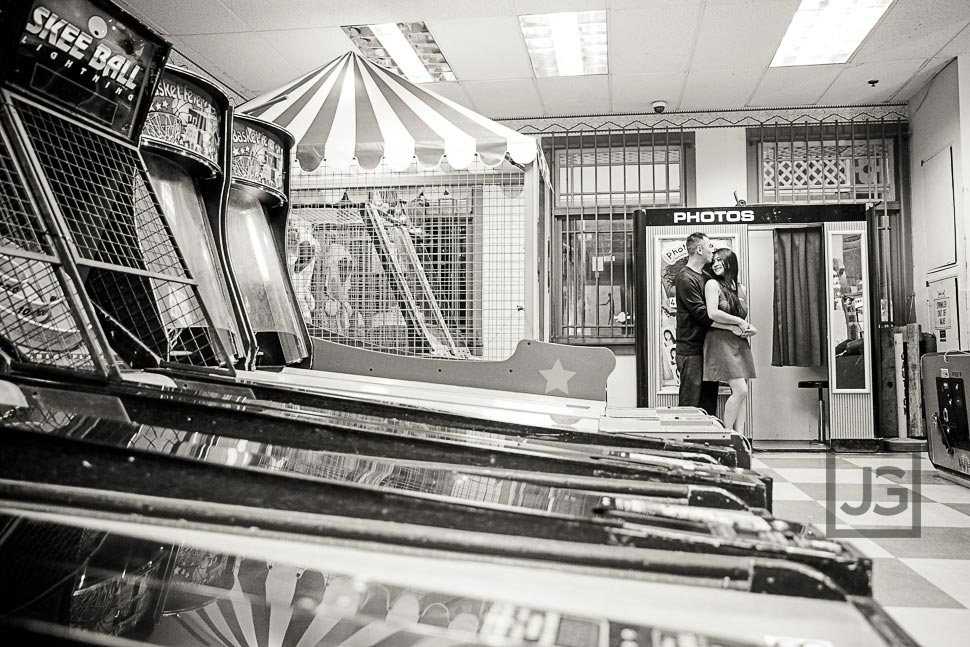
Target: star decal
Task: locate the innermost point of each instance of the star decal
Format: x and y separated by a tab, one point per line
557	378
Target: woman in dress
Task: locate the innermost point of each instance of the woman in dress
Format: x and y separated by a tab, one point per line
727	352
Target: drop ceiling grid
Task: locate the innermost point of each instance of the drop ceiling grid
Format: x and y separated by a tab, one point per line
485	49
245	57
731	39
308	49
718	89
794	86
574	95
505	98
653	40
635	92
254	45
851	86
300	14
911	29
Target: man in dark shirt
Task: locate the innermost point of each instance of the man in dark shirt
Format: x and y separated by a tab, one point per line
692	325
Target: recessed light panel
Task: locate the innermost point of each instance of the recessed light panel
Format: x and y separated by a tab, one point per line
824	32
405	48
566	44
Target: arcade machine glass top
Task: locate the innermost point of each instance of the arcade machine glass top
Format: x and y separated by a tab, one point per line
185	143
91	271
256	239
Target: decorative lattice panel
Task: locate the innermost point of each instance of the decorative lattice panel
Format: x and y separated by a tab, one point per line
800	171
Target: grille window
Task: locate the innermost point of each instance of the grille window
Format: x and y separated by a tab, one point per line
600	180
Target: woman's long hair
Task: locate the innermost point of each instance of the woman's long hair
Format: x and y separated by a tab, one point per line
729	280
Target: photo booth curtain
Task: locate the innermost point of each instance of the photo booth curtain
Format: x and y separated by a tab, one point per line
799	332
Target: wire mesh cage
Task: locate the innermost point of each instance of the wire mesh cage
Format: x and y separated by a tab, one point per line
420	262
133	270
37	324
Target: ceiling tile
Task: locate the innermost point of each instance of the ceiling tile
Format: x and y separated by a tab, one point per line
852	85
959	45
483	49
174	17
510	98
575	95
307	49
247	58
794	86
449	90
718	89
910	30
294	14
640	4
741	36
449	9
525	7
924	76
921	81
635	92
671	27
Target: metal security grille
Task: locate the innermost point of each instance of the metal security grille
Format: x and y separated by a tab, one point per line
37	324
422	262
600	178
135	274
843	161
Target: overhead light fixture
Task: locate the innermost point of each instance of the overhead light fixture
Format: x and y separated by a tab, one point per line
405	48
566	44
825	32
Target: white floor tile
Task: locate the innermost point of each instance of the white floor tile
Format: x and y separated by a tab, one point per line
952	576
787	492
868	548
905	463
934	627
945	493
931	514
758	464
820	475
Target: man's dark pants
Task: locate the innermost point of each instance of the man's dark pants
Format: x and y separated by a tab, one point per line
694	391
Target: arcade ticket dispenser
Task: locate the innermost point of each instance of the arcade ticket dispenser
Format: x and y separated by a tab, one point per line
185	144
806	269
92	277
945	380
256	241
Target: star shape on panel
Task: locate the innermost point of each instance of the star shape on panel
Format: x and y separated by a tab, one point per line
557	378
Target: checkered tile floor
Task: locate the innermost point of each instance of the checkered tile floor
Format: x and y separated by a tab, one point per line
922	575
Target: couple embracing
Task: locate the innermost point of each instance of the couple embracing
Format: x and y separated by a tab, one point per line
713	331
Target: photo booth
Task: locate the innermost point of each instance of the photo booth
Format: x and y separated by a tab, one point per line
807	270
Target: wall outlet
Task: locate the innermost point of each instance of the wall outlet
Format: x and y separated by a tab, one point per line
944	372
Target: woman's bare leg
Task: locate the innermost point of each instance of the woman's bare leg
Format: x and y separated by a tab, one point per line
735	414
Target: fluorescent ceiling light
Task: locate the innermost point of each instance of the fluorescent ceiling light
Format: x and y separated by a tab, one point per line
824	32
401	51
405	48
567	43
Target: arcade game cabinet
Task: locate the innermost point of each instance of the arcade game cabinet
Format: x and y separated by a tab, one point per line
945	379
185	144
256	236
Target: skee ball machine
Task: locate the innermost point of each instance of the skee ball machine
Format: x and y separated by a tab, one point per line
185	144
255	235
80	212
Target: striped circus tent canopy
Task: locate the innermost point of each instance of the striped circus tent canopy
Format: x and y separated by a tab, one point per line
351	108
278	605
